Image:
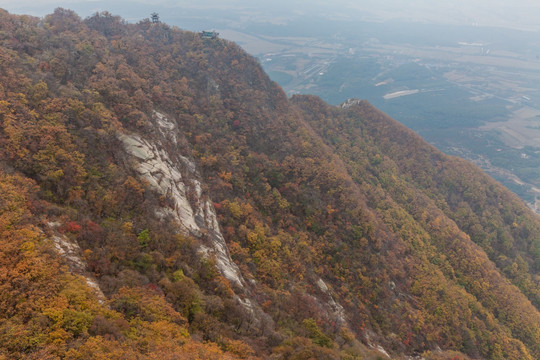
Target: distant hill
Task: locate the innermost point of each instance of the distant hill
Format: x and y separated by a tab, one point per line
162	198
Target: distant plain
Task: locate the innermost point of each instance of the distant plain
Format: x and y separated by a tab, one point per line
472	92
465	75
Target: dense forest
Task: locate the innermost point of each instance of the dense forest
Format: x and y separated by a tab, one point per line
161	198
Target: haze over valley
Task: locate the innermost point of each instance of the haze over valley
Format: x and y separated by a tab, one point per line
470	91
464	75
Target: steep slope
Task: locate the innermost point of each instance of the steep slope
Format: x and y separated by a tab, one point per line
429	215
221	219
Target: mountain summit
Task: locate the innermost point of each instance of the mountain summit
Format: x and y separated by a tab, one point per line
161	198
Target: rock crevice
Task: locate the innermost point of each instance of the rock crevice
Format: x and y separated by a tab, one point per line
160	162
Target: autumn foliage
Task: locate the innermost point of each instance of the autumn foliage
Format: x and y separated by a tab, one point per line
350	231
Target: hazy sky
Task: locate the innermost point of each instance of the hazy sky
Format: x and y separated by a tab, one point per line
519	14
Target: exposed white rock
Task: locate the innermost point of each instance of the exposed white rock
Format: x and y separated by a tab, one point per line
382	351
166	127
174	175
94	285
338	310
157	168
350	102
322	285
71	251
225	266
163	121
198	188
379	348
189	164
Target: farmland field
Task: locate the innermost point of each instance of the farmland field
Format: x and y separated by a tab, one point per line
472	92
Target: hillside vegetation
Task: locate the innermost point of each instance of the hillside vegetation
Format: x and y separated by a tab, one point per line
352	238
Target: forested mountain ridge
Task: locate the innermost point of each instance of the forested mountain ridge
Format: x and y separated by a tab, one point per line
220	219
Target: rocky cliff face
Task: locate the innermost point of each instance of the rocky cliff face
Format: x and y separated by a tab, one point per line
163	160
70	251
160	160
